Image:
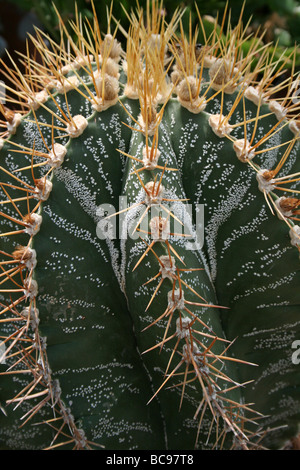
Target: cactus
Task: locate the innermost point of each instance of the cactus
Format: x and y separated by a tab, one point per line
149	241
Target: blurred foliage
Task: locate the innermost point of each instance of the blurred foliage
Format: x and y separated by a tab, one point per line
280	18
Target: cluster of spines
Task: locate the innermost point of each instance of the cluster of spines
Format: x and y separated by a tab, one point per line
158	64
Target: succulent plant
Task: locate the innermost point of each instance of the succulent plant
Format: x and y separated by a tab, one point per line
149	241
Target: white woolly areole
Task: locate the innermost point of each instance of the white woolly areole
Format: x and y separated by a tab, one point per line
265	186
77	126
188	88
32	314
44	192
56	390
57	155
38	98
295	235
243	150
160	228
12	126
164	92
188	95
81	61
30	288
65	69
111	67
80	437
220	128
150	129
154	194
67	84
131	91
276	108
254	95
294	127
107	85
101	105
110	46
281	212
195	106
150	164
223	75
34	227
176	299
187	354
183	327
192	354
168	267
209	60
155	41
30	261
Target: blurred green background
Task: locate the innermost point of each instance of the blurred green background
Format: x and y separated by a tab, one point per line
280	18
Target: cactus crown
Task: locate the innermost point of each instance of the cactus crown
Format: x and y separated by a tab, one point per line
99	318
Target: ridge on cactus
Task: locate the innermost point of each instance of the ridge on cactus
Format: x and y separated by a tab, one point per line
150	240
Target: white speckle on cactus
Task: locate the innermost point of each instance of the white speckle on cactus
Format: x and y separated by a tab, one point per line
221	213
77	125
81	193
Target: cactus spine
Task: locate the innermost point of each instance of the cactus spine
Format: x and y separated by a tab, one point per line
120	326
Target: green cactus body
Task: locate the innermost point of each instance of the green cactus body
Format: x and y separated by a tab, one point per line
128	320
